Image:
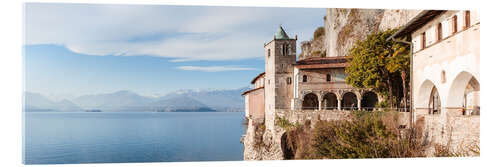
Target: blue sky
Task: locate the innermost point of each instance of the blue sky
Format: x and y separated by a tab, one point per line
77	49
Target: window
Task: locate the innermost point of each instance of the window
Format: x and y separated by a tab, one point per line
423	40
268	52
289	80
304	78
328	78
454	25
443	77
439	32
289	49
467	19
283	49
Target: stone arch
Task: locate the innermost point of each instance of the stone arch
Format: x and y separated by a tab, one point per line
286	147
369	100
349	101
423	94
464	86
434	102
329	101
310	102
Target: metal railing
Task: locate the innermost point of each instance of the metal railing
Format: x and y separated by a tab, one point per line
349	108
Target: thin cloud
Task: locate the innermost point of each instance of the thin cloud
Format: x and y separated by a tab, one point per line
215	68
184	33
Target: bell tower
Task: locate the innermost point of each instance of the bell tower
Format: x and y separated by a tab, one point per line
280	56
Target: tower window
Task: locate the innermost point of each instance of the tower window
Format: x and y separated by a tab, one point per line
283	49
328	78
289	80
268	52
467	19
454	25
439	31
304	78
289	49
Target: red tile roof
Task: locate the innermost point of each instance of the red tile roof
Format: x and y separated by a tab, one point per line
251	90
257	77
322	62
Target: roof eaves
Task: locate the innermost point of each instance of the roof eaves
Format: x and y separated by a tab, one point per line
417	22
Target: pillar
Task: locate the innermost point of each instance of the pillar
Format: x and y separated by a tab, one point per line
359	103
339	103
320	103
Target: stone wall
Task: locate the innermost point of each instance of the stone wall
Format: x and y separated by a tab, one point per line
271	148
256	104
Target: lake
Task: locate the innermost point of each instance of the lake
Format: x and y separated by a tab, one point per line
119	137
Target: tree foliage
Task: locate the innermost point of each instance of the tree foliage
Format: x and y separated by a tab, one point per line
320	31
379	64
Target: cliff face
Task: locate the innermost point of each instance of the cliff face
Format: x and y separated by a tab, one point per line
313	48
346	26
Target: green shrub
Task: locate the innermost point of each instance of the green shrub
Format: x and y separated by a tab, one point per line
284	123
320	31
323	54
366	135
316	53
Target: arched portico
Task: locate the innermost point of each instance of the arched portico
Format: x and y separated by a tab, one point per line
428	100
349	101
329	101
310	102
464	94
369	100
424	93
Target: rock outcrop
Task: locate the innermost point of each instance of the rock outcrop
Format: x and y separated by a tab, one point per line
343	27
313	48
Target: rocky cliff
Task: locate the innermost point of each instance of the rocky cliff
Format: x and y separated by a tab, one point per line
315	47
343	27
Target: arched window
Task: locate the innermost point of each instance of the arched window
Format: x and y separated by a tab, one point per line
328	78
283	49
467	19
435	102
439	31
304	78
289	80
289	49
422	42
454	24
443	77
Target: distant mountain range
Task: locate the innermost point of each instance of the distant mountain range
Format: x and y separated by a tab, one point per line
223	100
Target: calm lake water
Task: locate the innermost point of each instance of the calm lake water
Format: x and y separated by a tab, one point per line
117	137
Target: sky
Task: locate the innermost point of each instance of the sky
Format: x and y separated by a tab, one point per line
77	49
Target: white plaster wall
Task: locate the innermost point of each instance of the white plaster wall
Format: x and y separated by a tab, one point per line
455	54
